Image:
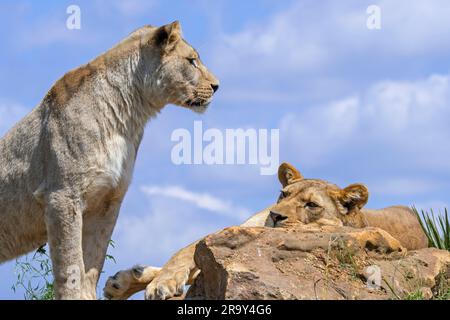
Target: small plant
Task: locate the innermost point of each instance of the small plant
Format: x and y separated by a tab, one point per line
436	228
346	257
416	295
35	277
111	244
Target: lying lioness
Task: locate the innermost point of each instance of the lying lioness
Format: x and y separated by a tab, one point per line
301	201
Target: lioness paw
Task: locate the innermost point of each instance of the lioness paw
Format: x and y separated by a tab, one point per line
376	239
165	287
127	282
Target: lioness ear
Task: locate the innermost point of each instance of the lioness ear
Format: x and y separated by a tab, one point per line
288	174
168	35
355	196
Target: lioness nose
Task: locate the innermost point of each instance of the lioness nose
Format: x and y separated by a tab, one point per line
277	217
215	87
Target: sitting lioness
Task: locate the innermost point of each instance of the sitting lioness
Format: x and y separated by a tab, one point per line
65	168
301	201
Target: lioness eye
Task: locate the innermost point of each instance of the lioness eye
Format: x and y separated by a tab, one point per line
283	194
193	61
312	205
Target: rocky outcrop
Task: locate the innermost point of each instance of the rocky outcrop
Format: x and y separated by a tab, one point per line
308	262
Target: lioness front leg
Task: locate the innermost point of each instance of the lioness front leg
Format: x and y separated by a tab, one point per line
376	239
63	217
97	231
171	280
125	283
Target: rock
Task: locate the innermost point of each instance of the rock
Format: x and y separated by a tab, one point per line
312	262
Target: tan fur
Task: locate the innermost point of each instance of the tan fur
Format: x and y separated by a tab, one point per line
65	168
393	227
400	222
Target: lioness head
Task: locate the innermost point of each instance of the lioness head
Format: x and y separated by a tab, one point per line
312	200
171	69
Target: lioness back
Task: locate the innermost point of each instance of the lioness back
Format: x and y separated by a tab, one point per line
401	223
22	227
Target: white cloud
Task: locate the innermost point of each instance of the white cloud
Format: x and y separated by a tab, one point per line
309	35
415	26
319	131
272	46
405	120
311	41
200	200
398	105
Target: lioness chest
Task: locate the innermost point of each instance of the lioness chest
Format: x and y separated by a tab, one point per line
114	171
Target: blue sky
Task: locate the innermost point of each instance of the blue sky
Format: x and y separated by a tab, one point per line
352	104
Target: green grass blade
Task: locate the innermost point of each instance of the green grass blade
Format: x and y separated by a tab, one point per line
446	230
435	226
